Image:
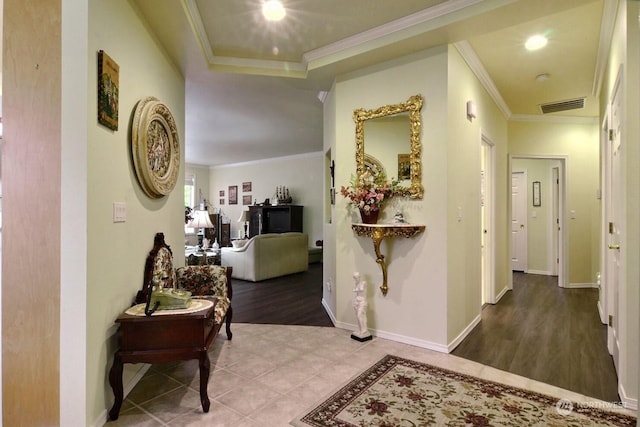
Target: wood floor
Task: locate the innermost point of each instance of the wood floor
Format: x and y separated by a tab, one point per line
546	333
538	330
295	299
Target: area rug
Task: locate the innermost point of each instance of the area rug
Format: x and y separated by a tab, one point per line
403	393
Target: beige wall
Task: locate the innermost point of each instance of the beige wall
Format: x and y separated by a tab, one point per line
301	174
116	253
463	143
579	142
435	275
201	175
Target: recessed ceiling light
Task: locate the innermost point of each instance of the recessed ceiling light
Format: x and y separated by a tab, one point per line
536	42
273	10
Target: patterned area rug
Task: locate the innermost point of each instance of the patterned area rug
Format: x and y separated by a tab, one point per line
400	392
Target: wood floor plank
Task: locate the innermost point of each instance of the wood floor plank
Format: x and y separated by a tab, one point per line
547	333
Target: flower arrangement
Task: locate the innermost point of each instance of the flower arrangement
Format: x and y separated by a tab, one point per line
369	191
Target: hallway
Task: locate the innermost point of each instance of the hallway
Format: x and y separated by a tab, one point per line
548	334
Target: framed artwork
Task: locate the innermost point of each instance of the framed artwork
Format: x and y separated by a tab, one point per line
222	201
221	193
246	187
404	166
108	91
536	193
233	194
155	147
246	200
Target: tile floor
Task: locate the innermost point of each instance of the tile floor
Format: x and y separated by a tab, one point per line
269	374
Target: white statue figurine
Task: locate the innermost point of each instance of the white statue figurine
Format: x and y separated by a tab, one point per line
360	306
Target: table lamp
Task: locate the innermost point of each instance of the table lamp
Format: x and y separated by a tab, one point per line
244	217
201	220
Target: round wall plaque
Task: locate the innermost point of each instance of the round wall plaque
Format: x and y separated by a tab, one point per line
155	147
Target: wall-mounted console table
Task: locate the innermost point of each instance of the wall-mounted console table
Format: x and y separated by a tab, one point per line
378	232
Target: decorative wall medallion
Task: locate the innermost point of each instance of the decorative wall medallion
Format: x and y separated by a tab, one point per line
155	147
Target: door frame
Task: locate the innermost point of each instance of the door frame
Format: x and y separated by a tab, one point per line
525	220
489	268
563	247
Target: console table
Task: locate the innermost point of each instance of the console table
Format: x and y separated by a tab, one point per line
378	232
162	338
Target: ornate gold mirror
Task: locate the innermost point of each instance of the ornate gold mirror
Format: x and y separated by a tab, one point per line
393	136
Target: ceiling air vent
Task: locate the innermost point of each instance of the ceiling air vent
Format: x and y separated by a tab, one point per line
554	107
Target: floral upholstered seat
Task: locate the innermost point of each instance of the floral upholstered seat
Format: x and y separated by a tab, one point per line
200	280
206	280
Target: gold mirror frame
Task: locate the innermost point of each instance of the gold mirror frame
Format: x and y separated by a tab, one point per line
413	106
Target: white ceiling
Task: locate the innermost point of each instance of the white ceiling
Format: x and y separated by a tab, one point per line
252	86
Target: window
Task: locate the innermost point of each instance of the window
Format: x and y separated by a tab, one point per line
189	198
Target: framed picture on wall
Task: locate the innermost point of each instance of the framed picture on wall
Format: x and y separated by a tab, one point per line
108	91
233	194
221	193
536	193
222	201
246	200
246	187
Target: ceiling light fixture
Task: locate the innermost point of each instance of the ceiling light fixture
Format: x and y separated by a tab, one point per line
273	10
536	42
542	77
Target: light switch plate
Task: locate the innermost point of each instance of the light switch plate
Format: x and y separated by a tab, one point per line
119	212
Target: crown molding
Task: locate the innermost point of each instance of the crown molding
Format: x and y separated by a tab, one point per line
471	58
395	31
607	25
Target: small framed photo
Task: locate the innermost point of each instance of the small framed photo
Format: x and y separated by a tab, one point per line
108	91
536	193
233	194
246	200
222	201
246	187
221	193
404	166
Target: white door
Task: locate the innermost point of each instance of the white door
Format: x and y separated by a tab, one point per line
487	232
519	221
615	203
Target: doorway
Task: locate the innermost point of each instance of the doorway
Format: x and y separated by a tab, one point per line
487	209
540	217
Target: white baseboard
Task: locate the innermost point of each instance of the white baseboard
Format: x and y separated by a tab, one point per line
581	285
627	402
398	338
328	311
541	272
603	318
453	344
103	418
501	294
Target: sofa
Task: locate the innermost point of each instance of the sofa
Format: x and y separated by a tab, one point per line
268	255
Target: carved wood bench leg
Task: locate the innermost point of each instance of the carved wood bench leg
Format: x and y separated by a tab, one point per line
205	366
115	380
228	326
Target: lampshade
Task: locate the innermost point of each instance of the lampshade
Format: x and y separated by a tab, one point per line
200	220
244	217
